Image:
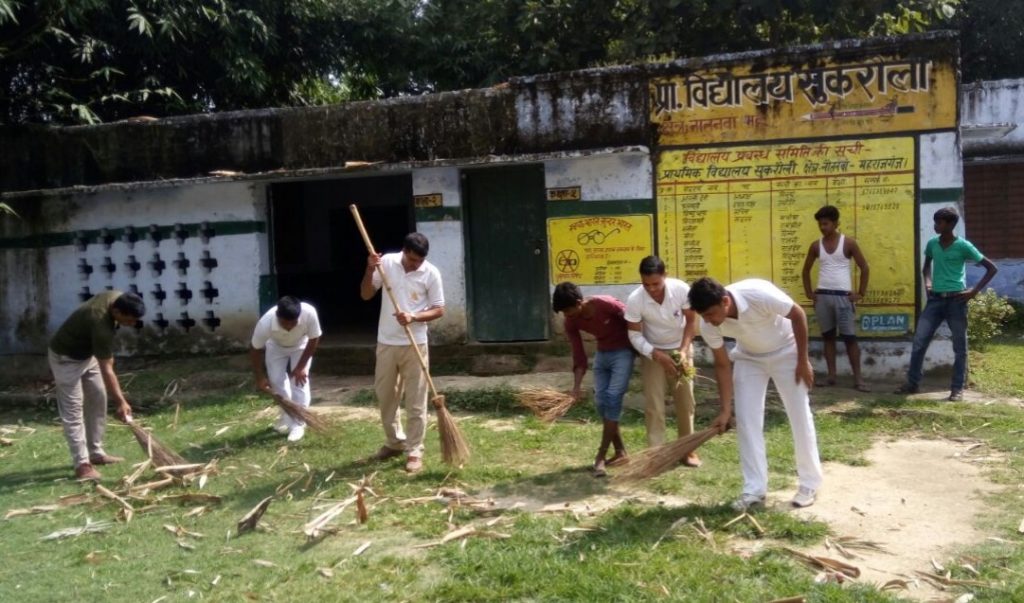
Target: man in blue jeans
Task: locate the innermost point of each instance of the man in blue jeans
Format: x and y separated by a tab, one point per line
945	257
602	317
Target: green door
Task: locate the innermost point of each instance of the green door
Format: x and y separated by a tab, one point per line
508	274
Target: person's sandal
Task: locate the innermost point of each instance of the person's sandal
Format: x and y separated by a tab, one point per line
599	470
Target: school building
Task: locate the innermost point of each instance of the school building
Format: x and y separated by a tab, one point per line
717	164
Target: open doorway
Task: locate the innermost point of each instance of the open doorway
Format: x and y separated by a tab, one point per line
319	255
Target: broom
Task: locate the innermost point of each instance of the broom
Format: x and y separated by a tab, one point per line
161	455
454	449
301	413
546	404
659	459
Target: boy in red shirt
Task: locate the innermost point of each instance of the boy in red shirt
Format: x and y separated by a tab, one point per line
603	317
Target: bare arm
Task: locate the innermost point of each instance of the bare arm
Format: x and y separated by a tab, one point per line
644	347
689	332
862	265
990	271
812	254
427	315
114	387
723	377
299	373
926	273
259	372
366	288
804	372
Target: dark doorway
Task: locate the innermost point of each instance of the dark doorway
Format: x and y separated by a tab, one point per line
319	255
507	243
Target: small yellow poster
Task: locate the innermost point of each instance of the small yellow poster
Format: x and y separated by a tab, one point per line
599	250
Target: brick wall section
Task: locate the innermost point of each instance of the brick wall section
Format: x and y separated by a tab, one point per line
994	201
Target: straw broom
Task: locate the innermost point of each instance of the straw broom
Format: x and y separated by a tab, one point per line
659	459
161	455
454	449
546	404
301	414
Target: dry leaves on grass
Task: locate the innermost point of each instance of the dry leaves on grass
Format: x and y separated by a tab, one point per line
252	518
90	527
462	533
825	563
842	545
545	403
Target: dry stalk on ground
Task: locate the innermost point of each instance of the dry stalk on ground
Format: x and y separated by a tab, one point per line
545	403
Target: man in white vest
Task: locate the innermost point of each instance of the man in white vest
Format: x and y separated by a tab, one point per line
834	297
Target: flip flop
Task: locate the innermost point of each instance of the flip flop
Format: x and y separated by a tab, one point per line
862	388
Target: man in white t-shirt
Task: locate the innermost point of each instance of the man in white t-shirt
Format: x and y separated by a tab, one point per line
416	284
660	321
290	333
771	343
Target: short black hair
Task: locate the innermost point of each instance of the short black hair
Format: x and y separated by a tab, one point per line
652	264
416	243
947	214
130	304
706	292
566	296
289	308
829	212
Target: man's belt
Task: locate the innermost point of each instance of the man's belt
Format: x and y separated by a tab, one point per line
831	292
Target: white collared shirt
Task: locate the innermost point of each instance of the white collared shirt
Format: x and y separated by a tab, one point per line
269	329
662	324
761	325
415	291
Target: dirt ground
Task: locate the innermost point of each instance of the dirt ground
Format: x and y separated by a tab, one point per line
918	499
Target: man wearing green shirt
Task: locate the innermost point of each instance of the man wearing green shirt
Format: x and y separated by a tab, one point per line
82	361
945	257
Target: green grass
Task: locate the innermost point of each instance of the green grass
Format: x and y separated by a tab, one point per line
998	369
515	457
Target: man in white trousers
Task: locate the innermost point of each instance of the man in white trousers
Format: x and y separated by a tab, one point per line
289	333
771	343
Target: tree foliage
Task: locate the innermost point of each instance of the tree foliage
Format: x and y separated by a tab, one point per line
81	61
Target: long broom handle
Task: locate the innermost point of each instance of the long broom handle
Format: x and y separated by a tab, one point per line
391	294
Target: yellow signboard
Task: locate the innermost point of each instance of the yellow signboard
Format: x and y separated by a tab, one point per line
881	94
748	211
599	250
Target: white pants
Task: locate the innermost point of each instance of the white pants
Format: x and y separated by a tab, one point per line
750	374
279	360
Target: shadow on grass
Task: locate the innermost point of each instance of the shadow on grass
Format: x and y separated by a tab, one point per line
19	479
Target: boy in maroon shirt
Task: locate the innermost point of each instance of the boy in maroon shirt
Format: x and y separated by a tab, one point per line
603	317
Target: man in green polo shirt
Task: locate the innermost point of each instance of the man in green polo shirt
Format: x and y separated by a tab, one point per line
82	361
945	258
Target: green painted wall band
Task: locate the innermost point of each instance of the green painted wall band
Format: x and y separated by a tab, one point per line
60	239
558	209
438	214
941	195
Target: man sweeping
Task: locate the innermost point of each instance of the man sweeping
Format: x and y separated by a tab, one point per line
81	356
285	338
416	284
603	317
661	324
770	331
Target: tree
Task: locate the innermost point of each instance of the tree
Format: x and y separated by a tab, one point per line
81	61
75	61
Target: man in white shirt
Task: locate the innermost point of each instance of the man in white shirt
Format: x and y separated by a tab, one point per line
771	343
660	321
290	333
416	284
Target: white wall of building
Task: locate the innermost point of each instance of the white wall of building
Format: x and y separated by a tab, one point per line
241	258
447	250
